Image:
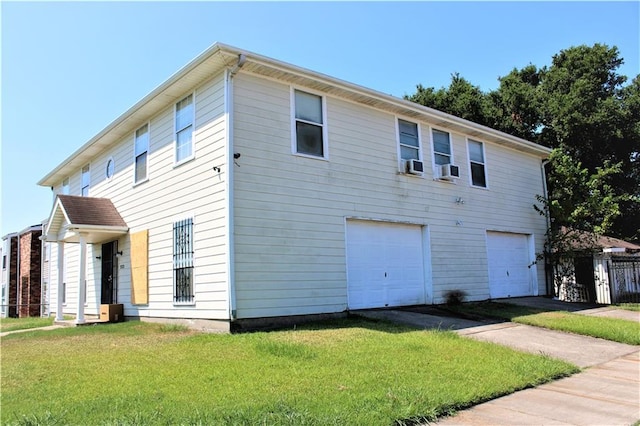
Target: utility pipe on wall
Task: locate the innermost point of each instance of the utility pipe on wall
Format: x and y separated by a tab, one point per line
228	108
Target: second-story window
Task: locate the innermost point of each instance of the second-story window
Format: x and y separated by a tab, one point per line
441	147
65	187
310	138
409	140
184	129
141	149
477	164
86	180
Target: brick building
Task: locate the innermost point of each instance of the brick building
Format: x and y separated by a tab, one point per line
22	266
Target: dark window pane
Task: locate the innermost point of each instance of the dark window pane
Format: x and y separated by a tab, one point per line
309	139
141	167
477	175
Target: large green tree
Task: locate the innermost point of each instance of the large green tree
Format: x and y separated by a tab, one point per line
579	105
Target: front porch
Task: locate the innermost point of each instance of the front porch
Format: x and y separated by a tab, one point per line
86	221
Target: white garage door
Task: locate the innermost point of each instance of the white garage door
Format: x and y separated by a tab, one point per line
509	260
385	264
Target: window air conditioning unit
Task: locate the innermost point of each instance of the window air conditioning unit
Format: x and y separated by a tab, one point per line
415	167
449	171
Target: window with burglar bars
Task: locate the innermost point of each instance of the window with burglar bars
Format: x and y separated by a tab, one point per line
183	261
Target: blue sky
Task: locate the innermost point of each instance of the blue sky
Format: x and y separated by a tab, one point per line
69	69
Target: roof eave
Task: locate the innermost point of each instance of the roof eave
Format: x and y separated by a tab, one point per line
140	110
163	94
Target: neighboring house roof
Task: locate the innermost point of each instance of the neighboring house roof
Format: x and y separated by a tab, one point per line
581	240
221	56
98	218
610	243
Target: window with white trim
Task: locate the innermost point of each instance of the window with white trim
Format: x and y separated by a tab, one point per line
441	147
183	261
184	129
409	140
86	180
140	151
65	187
477	164
310	137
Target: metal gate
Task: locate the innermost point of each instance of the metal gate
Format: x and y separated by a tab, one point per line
624	279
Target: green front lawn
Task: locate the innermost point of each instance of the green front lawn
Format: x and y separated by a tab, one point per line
617	330
11	324
346	372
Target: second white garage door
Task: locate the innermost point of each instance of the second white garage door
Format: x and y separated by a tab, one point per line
385	264
509	259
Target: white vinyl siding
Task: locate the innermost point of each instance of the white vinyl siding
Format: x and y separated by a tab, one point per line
184	117
141	154
477	167
167	195
290	213
309	127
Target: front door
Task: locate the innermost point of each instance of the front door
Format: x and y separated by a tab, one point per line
109	273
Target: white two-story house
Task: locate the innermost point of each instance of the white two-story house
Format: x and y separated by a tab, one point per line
245	188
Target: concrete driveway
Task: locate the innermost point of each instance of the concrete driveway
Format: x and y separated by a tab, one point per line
606	392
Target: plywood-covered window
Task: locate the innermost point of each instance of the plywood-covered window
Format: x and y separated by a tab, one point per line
140	268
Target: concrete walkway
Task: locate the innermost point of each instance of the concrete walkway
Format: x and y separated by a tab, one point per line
24	330
607	392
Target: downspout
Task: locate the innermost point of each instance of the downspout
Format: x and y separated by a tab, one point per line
228	108
545	194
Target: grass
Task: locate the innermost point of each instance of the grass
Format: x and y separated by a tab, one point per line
617	330
629	306
339	373
11	324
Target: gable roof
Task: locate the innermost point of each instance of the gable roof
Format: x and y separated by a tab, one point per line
97	218
220	57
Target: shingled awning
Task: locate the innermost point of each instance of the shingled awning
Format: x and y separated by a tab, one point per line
97	218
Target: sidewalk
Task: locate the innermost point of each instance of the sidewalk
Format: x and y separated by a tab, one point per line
24	330
606	392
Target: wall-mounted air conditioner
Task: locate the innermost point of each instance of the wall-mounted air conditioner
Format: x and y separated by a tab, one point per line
415	167
449	171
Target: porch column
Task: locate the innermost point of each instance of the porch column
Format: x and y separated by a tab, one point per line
81	284
60	292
